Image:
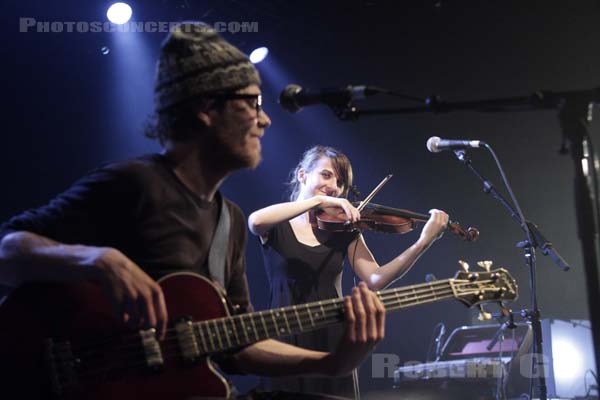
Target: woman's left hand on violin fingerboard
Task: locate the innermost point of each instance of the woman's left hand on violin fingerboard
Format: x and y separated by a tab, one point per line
435	226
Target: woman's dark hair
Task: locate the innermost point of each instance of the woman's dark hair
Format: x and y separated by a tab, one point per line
339	161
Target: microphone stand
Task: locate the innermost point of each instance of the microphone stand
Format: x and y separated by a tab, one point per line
533	314
575	115
508	324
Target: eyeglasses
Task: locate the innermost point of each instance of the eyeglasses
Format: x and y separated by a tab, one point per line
253	100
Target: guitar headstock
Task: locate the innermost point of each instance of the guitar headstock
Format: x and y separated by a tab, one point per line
478	287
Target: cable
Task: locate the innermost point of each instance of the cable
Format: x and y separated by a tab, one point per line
439	325
511	194
589	388
354	258
401	95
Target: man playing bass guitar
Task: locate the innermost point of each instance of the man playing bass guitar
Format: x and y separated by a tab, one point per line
128	224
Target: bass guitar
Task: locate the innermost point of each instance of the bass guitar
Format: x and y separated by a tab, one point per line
63	341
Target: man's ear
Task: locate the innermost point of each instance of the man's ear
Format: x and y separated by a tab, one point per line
206	117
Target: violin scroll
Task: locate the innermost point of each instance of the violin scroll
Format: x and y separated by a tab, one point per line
469	235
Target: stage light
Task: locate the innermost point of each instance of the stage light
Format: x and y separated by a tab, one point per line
119	13
258	55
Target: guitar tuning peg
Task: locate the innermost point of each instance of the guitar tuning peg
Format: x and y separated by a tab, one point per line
463	265
483	315
487	265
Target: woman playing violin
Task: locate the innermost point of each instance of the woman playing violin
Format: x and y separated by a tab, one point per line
304	263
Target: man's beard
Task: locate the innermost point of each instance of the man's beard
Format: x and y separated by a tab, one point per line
231	155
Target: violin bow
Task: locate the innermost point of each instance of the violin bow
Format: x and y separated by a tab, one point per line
373	193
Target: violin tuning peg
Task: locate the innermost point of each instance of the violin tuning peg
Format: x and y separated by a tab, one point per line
463	265
483	315
487	265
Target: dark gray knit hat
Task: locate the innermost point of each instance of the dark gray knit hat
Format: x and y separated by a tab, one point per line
195	60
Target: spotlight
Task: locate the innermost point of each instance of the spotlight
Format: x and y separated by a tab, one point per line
119	13
258	55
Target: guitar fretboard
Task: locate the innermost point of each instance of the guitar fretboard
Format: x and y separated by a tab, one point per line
221	334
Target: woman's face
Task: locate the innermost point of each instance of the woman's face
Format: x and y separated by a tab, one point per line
321	180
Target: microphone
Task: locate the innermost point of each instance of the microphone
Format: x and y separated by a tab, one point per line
294	97
435	144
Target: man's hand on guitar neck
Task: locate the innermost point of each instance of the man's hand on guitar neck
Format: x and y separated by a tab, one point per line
138	300
365	327
365	322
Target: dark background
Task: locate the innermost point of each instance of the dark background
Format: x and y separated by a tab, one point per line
68	107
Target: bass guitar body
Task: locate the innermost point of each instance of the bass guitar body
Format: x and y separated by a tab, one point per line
62	341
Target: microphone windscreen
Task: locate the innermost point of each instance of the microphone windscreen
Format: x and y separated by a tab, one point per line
432	144
287	98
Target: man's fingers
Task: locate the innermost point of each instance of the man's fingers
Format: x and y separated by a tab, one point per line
161	312
146	305
371	312
359	312
138	300
350	319
130	312
380	318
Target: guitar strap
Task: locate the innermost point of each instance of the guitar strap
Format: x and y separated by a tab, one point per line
218	248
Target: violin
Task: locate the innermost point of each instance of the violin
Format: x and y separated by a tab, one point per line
378	218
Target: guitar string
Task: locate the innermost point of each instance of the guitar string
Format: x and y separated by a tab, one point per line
325	319
168	354
224	329
171	332
390	294
394	295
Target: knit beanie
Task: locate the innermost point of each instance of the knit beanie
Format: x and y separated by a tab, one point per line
194	61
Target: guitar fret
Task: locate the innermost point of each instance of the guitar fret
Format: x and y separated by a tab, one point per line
244	328
286	321
333	303
248	326
254	329
264	324
415	296
226	332
210	336
217	334
298	317
199	329
274	321
312	322
398	297
235	331
322	310
432	291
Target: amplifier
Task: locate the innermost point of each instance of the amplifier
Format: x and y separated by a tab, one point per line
473	362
